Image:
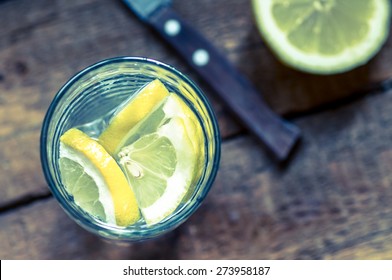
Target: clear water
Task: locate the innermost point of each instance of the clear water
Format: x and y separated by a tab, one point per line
95	127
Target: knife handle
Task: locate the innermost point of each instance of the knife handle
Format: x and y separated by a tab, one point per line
234	89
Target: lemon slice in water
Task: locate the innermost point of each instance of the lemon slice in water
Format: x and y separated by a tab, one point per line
323	36
175	106
95	180
160	167
144	102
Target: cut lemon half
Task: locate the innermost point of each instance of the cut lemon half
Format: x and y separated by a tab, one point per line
144	102
323	36
95	181
160	167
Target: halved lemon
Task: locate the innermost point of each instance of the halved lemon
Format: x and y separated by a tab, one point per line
95	180
323	36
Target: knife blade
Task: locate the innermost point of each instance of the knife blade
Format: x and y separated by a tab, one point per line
234	89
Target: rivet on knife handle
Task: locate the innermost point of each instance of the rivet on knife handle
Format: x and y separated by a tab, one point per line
236	91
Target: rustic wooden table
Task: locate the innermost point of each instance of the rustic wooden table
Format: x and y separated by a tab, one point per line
331	200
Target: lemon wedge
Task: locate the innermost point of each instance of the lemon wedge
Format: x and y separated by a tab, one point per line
95	180
143	103
323	36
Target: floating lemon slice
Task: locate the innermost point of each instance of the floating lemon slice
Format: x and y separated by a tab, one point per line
163	158
144	102
160	168
175	106
95	181
323	36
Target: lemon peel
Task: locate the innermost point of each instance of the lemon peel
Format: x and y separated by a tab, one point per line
144	102
114	193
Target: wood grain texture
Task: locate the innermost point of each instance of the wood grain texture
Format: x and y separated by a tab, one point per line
330	201
43	231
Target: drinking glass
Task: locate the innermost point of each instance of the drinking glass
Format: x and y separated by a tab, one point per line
89	99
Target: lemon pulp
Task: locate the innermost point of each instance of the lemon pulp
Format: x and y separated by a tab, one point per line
162	158
160	168
323	36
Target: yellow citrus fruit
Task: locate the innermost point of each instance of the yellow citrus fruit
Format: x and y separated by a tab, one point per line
175	106
95	180
323	36
162	164
143	103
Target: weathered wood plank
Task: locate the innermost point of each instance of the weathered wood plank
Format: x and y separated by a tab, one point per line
20	169
43	231
332	201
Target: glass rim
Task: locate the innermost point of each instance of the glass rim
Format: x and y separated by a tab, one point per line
115	232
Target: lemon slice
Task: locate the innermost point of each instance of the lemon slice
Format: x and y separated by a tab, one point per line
95	181
160	168
172	106
175	106
144	102
323	36
161	153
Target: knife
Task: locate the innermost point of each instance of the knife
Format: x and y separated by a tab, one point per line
234	89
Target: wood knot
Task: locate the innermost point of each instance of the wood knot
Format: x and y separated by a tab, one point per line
21	68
